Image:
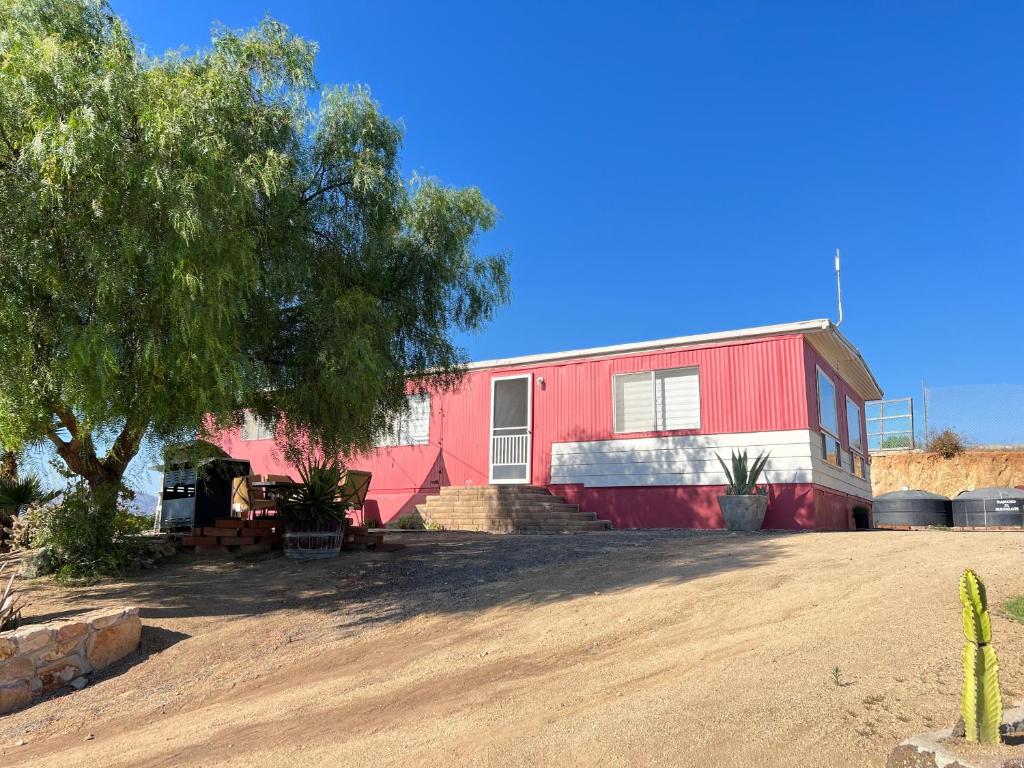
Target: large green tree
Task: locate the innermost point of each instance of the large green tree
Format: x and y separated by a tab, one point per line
187	236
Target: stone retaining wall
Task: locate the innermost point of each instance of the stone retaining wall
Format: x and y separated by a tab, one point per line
39	658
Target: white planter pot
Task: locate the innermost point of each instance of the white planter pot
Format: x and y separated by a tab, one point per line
743	513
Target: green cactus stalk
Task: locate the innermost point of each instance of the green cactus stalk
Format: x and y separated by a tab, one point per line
980	702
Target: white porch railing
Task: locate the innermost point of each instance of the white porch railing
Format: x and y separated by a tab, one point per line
510	450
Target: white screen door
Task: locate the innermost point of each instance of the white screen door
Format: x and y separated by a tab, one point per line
510	429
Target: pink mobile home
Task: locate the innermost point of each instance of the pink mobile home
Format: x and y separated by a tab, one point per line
630	432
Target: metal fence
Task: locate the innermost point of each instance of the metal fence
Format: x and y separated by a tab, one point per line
984	414
890	424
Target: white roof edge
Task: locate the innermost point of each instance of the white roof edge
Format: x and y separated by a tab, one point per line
804	326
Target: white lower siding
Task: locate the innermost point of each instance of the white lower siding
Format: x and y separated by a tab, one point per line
795	457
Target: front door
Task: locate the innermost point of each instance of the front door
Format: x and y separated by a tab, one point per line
510	429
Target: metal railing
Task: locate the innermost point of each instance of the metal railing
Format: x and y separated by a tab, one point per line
890	424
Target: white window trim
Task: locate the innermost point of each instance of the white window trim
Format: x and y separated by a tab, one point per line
402	436
261	427
835	393
860	426
654	401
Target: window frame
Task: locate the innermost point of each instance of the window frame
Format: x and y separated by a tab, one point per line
652	379
264	431
859	448
835	394
825	432
403	437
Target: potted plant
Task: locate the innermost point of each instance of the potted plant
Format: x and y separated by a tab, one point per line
313	515
744	504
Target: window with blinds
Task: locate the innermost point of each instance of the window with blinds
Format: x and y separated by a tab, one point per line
254	428
653	401
411	427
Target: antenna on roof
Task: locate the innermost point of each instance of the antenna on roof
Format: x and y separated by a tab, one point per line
839	291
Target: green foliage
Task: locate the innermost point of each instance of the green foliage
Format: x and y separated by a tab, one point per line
315	498
837	677
980	702
894	442
88	534
410	523
1014	608
433	525
184	236
947	443
743	477
16	493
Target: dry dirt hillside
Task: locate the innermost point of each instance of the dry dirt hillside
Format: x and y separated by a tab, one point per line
931	472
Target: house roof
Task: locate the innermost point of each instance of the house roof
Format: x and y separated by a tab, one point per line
822	334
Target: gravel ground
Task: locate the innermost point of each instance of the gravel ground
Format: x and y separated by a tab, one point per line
621	648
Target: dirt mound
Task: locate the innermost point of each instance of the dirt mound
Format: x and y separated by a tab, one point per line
931	472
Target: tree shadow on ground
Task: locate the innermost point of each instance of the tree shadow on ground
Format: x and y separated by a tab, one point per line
435	574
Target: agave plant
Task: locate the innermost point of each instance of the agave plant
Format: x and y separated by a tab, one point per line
316	498
743	477
10	604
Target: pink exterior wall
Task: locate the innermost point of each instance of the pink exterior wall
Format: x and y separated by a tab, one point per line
749	386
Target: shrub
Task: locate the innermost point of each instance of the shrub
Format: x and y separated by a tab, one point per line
89	534
433	525
26	526
947	443
314	500
409	523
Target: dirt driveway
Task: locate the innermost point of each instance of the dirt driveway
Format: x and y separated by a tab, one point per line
617	649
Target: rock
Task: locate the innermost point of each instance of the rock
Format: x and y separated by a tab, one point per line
114	642
7	648
959	730
79	683
104	618
72	631
17	669
38	562
90	737
32	638
15	695
60	673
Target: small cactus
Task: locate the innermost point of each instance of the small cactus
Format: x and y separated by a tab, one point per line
980	702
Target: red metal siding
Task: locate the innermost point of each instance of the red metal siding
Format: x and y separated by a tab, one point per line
843	390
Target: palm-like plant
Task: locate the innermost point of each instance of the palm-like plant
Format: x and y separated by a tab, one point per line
15	493
316	498
743	477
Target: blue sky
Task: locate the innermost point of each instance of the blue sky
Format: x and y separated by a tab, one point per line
665	169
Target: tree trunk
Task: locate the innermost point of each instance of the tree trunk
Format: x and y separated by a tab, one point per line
9	465
101	475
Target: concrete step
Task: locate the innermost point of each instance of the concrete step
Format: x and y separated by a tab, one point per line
530	519
569	513
528	528
476	493
510	506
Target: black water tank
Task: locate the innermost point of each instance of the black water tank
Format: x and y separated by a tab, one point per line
911	508
989	507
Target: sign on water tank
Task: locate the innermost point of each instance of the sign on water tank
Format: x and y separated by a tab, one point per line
1007	505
